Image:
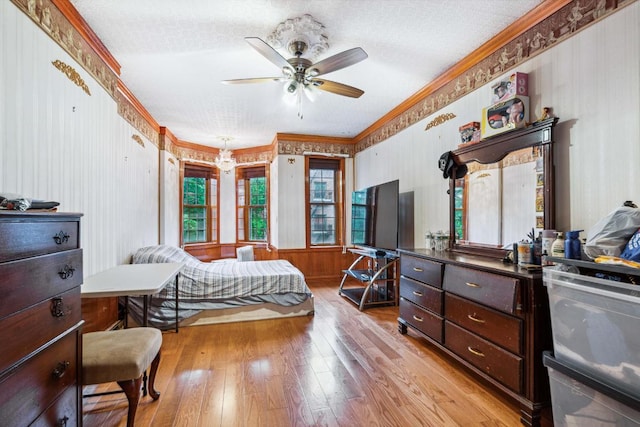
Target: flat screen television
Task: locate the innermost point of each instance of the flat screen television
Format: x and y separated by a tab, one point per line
374	216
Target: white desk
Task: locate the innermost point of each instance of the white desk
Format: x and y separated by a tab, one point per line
133	280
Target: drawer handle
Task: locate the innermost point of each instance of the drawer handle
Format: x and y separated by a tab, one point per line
418	294
57	307
66	272
61	238
60	369
476	352
473	285
419	319
474	318
418	269
62	422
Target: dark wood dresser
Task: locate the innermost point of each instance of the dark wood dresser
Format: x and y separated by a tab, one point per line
491	317
40	319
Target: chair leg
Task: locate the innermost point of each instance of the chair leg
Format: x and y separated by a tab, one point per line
152	377
131	389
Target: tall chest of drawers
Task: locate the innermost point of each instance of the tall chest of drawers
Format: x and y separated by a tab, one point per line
40	319
491	317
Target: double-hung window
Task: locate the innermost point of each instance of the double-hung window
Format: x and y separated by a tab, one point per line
252	192
324	201
199	204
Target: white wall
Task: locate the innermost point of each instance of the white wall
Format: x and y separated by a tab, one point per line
227	190
169	199
592	82
290	216
58	143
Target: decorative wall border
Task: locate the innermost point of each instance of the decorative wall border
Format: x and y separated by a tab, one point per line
54	18
288	144
52	21
60	20
564	23
135	119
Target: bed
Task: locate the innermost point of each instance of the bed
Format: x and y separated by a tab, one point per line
220	292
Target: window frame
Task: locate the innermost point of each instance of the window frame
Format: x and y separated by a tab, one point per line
210	173
338	166
246	173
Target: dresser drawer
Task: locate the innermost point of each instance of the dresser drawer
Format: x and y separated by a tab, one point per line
63	412
27	239
422	270
495	326
422	320
29	281
423	295
31	388
505	367
29	329
499	292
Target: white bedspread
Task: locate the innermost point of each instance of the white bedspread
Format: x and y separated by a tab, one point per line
225	280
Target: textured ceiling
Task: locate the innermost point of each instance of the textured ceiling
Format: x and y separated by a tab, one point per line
175	53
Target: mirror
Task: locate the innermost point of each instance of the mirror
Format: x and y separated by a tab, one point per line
507	192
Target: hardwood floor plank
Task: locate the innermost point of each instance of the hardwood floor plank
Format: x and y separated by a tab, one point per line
341	367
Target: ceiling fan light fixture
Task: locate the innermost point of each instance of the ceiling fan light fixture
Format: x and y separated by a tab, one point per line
224	160
291	86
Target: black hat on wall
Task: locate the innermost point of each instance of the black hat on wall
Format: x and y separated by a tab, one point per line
446	163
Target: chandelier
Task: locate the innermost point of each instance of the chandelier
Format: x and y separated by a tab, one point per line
224	161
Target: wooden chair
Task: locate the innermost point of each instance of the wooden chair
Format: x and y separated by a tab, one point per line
122	356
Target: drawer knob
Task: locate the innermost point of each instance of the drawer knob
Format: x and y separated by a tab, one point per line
66	272
61	238
474	351
416	318
418	269
418	294
474	318
57	307
473	285
60	369
62	422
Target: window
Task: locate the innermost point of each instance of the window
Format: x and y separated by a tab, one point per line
199	205
252	194
324	201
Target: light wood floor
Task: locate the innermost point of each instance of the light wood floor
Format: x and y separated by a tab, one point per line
341	367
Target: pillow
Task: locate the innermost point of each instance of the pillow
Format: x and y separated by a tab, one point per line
245	253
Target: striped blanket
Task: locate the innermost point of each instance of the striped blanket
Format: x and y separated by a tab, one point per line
224	280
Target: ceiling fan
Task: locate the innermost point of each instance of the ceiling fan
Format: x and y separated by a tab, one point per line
300	74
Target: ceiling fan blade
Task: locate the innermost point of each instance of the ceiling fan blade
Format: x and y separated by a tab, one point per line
268	52
337	88
254	80
338	61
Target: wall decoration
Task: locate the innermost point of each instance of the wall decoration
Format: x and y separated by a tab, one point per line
539	199
72	74
137	139
439	120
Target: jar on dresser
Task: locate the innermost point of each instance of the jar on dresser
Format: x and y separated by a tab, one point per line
40	319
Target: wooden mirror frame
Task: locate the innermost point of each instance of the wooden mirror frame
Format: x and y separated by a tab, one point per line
494	149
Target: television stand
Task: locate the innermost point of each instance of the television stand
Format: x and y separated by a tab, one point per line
377	284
